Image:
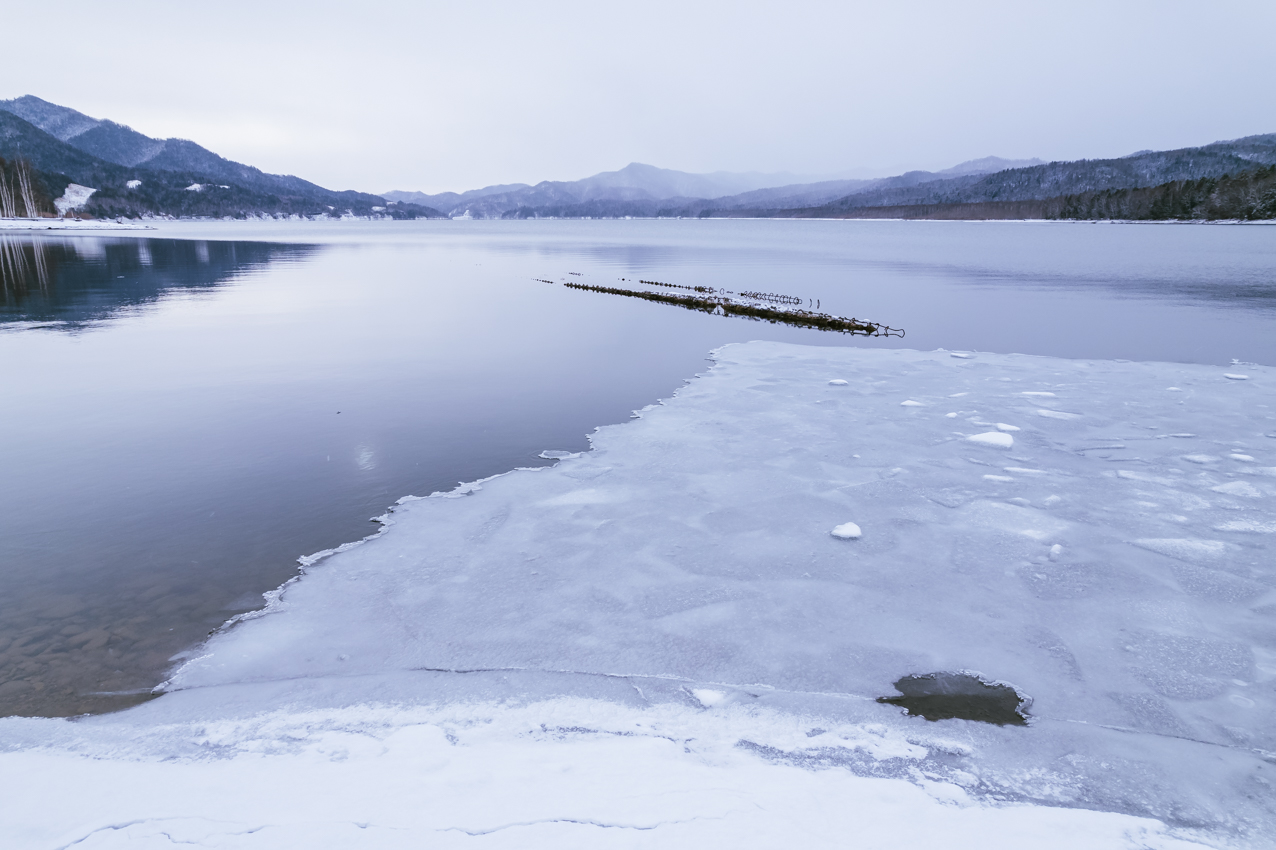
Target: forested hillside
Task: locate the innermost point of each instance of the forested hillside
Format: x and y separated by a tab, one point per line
1248	196
175	177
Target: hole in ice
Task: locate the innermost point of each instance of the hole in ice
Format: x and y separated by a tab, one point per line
962	696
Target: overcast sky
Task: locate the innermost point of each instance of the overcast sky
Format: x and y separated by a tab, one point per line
377	95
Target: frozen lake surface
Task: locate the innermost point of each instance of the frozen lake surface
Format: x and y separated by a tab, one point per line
661	643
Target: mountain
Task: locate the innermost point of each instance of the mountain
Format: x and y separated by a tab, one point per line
133	174
634	182
644	190
989	165
1055	179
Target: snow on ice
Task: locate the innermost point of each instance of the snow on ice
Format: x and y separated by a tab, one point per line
659	643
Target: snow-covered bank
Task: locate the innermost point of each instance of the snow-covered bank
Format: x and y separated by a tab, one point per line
704	654
559	774
42	224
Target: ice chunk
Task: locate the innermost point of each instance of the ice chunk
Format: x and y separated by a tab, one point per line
847	531
1001	478
1057	414
960	355
993	438
1257	526
837	382
1242	458
911	403
1185	549
1002	426
1038	394
1239	488
556	454
1232	376
1201	458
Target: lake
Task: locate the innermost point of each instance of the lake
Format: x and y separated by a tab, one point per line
187	411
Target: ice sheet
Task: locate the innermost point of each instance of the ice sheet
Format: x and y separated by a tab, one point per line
686	565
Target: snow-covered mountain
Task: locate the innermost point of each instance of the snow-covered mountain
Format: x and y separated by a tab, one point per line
132	174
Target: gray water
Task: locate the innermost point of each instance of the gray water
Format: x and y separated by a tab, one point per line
184	413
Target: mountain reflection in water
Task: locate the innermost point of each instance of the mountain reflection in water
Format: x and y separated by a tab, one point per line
69	283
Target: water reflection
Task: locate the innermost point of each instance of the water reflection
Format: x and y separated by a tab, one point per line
74	282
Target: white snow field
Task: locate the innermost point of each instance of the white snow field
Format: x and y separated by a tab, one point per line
660	643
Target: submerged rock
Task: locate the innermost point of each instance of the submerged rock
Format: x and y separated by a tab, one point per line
964	696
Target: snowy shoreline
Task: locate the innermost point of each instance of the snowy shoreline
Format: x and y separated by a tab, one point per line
660	642
41	225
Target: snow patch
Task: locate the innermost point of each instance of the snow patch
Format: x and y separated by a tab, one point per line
75	197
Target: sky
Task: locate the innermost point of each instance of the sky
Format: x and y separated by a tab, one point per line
433	96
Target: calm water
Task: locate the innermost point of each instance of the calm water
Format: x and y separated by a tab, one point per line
183	415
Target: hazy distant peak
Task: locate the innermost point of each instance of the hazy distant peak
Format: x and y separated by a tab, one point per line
60	122
990	165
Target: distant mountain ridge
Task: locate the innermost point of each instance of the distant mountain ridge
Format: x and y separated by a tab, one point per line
69	146
645	185
644	191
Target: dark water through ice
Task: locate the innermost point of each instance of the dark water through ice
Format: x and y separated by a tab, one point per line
181	418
